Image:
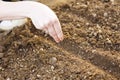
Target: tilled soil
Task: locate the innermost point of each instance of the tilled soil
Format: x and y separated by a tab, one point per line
90	50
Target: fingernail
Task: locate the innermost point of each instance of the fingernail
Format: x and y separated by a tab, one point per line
61	37
57	41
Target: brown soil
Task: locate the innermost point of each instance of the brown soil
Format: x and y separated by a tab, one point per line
90	50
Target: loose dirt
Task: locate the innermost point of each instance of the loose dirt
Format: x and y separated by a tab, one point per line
90	50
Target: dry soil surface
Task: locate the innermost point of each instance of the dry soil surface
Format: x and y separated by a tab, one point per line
90	50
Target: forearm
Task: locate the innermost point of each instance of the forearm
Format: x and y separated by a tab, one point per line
15	10
41	15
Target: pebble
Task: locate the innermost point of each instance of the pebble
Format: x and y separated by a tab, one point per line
53	60
98	26
93	51
100	37
38	75
113	1
8	79
119	66
52	68
1	55
21	66
1	68
87	23
94	15
78	25
35	36
90	29
77	3
108	40
41	49
105	14
100	31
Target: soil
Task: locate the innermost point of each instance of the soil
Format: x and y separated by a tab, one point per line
89	51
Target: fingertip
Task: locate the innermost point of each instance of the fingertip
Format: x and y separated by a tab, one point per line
58	30
56	39
60	36
59	40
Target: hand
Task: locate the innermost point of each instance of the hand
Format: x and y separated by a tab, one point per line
42	16
45	19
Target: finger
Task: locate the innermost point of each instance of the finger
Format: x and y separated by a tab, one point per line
52	32
38	24
58	29
35	24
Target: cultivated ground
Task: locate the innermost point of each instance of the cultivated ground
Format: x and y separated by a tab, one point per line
90	50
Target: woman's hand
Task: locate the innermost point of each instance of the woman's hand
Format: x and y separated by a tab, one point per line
42	16
45	19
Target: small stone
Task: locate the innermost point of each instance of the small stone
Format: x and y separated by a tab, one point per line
113	63
93	51
1	55
113	1
1	68
95	34
21	66
54	78
53	60
109	71
8	79
91	29
41	49
52	68
77	3
38	75
89	73
108	40
98	26
35	36
105	14
100	31
87	23
78	25
100	37
84	77
94	15
119	66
